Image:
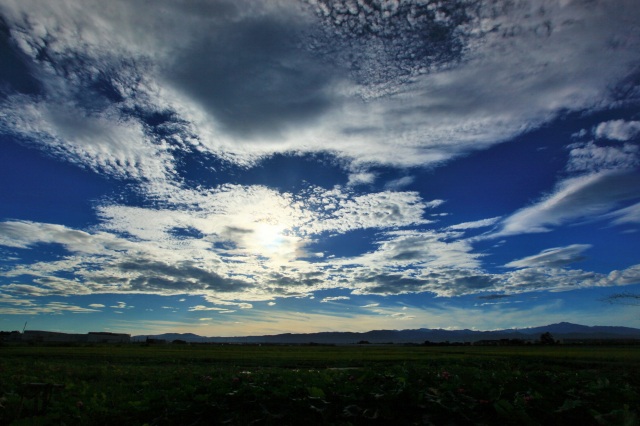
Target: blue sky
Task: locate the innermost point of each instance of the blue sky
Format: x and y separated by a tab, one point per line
240	167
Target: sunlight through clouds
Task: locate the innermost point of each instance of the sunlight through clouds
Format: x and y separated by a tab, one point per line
257	159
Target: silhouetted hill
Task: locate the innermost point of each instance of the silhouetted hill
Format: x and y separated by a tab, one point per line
569	328
170	337
563	330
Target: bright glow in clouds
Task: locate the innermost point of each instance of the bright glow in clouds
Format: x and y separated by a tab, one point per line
269	236
239	167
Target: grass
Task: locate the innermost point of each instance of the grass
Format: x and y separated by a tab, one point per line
344	385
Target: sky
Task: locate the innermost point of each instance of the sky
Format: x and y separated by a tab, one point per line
232	168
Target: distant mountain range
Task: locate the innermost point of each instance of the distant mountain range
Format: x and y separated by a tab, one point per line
560	331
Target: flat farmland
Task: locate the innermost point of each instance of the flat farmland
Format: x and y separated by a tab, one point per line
319	385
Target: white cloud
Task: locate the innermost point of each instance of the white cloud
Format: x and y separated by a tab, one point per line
247	80
629	214
592	158
376	210
334	298
15	306
619	130
47	284
231	211
497	303
551	279
7	299
216	263
553	257
399	183
205	308
443	282
362	178
240	81
398	249
580	134
435	203
120	305
107	142
23	234
582	198
627	276
248	221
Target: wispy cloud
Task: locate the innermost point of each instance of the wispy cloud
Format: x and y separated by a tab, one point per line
553	257
400	183
619	130
15	306
483	223
334	299
582	198
629	214
205	308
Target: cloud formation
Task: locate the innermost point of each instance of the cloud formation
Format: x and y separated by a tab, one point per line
619	130
226	78
12	305
591	158
556	257
334	298
386	90
586	197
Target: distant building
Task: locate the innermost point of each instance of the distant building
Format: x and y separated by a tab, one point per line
39	336
52	336
10	336
105	337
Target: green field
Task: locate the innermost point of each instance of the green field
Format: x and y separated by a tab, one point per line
313	385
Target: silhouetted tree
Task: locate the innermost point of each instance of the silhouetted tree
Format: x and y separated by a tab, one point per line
547	339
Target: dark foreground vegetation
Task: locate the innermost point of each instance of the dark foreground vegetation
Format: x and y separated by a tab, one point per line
316	385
